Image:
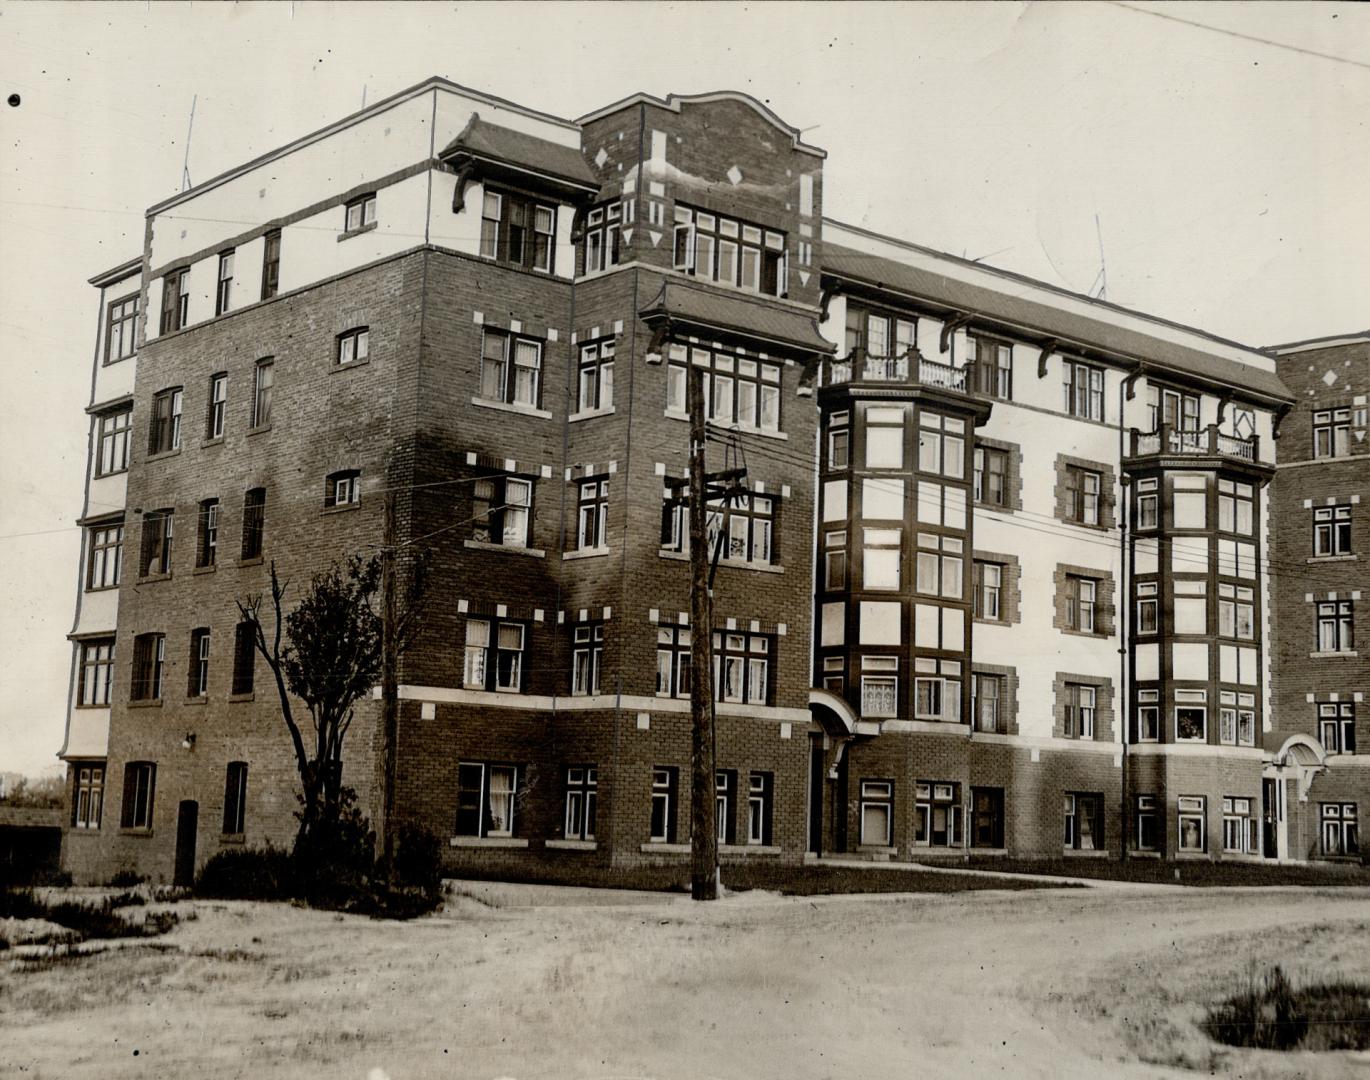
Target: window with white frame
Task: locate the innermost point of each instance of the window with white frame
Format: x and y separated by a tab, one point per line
140	781
486	799
939	565
941	444
881	558
582	783
197	685
879	686
1332	530
725	800
115	428
175	300
1084	821
1148	504
738	391
751	528
1236	507
1189	606
1236	718
501	510
937	814
97	672
1335	626
1084	496
993	365
937	689
359	212
662	828
1148	607
730	252
887	341
1189	502
839	440
158	533
1084	390
602	226
121	329
835	560
673	661
989	591
1082	604
1148	715
586	657
834	680
990	476
1332	433
223	294
1080	712
1236	611
1150	826
986	698
593	514
343	488
264	380
149	665
1340	829
1240	835
742	667
1192	824
595	385
88	800
354	345
218	405
164	433
504	671
518	230
106	556
510	368
1337	726
760	805
207	540
884	437
877	812
1191	715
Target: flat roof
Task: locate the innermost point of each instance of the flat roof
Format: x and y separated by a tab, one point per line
114	274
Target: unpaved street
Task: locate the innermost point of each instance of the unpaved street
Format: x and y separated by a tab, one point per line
528	983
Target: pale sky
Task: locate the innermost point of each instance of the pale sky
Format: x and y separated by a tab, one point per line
1230	176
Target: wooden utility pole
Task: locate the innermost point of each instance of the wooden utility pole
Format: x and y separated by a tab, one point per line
390	705
703	831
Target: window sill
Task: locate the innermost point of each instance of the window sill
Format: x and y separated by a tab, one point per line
584	553
749	849
101	588
216	441
572	845
481	545
1143	853
658	847
487	842
990	622
1081	853
135	832
1097	634
256	560
199	700
744	429
204	569
995	507
150	703
589	414
107	475
1333	655
338	366
876	849
510	406
348	234
161	454
234	698
1315	559
232	838
996	852
735	564
81	706
148	579
343	509
259	429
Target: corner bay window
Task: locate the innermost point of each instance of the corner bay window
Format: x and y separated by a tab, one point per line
730	252
937	689
510	368
1147	504
140	781
1192	826
501	510
106	556
97	672
505	674
121	329
518	230
737	390
487	795
114	432
1148	716
835	560
880	689
1148	609
839	440
1191	716
1236	507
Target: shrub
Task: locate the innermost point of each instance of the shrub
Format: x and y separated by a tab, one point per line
418	861
1270	1014
249	874
97	920
127	879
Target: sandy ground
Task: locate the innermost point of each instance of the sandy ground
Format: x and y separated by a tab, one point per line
525	982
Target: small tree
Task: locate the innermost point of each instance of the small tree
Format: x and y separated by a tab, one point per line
330	659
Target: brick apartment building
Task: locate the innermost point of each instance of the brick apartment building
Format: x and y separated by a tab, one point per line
1001	582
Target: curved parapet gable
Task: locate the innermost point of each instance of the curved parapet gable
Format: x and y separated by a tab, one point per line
675	101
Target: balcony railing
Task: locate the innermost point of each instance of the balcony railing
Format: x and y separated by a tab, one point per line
895	369
1207	441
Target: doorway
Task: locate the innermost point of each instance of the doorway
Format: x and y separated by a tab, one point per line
187	822
1270	817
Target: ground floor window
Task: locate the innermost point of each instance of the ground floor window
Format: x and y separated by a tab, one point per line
1239	826
486	799
1148	823
664	804
877	812
1084	821
582	783
987	810
1340	835
760	799
725	799
1191	823
938	814
88	799
235	798
140	782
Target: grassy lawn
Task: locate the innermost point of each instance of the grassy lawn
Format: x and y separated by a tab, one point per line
1200	874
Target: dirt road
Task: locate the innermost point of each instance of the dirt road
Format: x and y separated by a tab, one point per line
524	983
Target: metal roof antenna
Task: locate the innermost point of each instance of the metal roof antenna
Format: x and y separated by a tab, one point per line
185	165
363	95
1102	279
